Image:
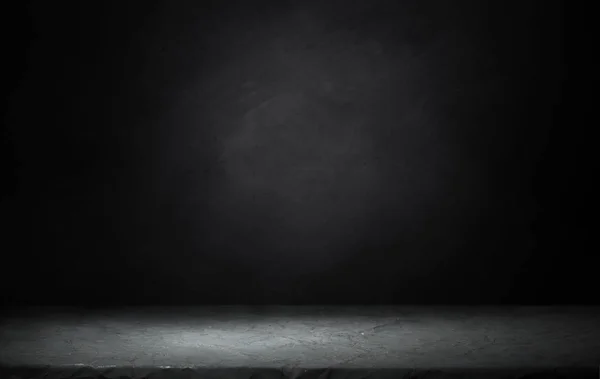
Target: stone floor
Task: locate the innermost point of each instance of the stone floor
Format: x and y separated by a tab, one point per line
303	338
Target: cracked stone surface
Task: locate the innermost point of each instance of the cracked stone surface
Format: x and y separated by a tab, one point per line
307	337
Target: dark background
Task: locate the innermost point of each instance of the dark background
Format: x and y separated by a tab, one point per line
295	152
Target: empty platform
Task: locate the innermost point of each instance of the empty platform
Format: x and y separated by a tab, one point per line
278	342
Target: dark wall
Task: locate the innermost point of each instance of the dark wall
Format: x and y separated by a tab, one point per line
292	152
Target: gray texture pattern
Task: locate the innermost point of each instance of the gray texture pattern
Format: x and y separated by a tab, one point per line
305	337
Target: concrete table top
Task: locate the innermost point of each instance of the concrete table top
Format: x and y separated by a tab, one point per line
308	337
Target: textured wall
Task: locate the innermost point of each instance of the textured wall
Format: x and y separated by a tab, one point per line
298	151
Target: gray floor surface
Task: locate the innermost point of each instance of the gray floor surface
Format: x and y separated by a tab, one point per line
308	337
